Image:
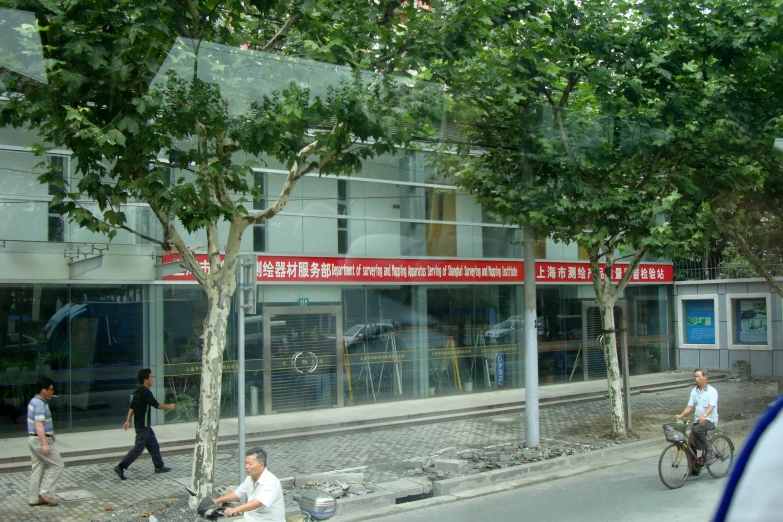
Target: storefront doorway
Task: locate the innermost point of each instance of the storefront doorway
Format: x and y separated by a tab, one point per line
591	339
303	358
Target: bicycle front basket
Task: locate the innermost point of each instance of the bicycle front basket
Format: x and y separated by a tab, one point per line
671	434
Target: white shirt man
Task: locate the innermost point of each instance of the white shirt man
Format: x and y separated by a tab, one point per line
704	400
261	493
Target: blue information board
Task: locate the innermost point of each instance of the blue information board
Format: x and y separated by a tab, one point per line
700	321
500	369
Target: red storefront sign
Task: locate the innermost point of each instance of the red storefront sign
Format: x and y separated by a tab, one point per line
296	269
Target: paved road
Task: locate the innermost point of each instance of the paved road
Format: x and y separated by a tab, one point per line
626	493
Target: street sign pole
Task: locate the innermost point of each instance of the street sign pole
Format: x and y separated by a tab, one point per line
246	298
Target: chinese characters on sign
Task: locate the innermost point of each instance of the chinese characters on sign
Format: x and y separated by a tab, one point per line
286	269
565	272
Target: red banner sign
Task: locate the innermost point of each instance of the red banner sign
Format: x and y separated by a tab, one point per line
290	269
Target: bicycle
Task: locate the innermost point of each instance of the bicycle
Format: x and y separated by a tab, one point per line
679	460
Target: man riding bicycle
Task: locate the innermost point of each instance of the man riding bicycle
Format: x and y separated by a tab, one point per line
704	398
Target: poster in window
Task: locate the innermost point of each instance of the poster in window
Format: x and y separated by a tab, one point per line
700	321
751	321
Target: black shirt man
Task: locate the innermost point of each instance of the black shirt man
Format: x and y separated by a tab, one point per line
141	410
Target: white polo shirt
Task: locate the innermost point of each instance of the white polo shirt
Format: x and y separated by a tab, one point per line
269	492
700	400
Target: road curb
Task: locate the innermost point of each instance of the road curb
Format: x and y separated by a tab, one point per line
480	484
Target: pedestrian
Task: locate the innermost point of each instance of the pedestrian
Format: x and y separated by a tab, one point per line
261	493
142	403
45	457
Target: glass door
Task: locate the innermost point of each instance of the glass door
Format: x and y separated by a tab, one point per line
303	358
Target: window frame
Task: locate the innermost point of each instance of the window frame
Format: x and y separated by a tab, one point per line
733	343
681	301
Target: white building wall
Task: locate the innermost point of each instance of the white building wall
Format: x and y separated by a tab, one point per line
765	359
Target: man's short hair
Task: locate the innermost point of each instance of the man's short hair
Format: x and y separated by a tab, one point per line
143	375
258	453
43	383
704	371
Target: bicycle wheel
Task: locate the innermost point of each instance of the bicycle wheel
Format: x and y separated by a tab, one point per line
723	449
674	466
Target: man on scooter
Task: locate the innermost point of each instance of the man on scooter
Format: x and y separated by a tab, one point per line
261	492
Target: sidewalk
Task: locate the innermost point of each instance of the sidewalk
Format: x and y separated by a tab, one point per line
85	446
378	441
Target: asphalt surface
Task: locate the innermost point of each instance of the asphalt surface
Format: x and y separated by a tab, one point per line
630	492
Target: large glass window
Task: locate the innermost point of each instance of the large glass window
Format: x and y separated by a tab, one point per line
569	323
381	343
650	337
184	310
88	339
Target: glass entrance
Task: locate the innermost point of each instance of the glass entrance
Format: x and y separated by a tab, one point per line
594	353
302	355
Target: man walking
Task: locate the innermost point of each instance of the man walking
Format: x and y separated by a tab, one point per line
142	403
44	454
261	493
704	398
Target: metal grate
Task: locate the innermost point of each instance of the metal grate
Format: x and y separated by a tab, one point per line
304	361
596	366
596	362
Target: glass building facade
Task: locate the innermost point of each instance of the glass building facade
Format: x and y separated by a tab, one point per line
90	313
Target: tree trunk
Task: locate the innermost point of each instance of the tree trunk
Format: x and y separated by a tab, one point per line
215	325
606	308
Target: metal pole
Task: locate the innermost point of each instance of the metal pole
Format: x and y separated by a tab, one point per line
241	370
627	380
531	328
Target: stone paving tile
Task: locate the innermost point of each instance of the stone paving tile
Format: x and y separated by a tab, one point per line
379	451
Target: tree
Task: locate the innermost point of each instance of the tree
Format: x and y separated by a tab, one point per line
626	116
751	220
140	89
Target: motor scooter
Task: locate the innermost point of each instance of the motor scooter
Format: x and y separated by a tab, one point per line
313	505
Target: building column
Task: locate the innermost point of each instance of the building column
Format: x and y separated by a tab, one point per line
421	342
154	347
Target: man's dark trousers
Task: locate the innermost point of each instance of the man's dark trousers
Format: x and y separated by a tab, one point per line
699	434
145	438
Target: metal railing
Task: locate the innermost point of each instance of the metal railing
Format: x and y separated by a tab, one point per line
711	268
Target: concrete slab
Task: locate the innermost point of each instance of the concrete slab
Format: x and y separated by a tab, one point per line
370	501
75	494
455	466
406	487
301	480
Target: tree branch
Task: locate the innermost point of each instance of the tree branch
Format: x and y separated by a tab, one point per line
569	87
295	173
755	261
283	31
176	239
162	244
